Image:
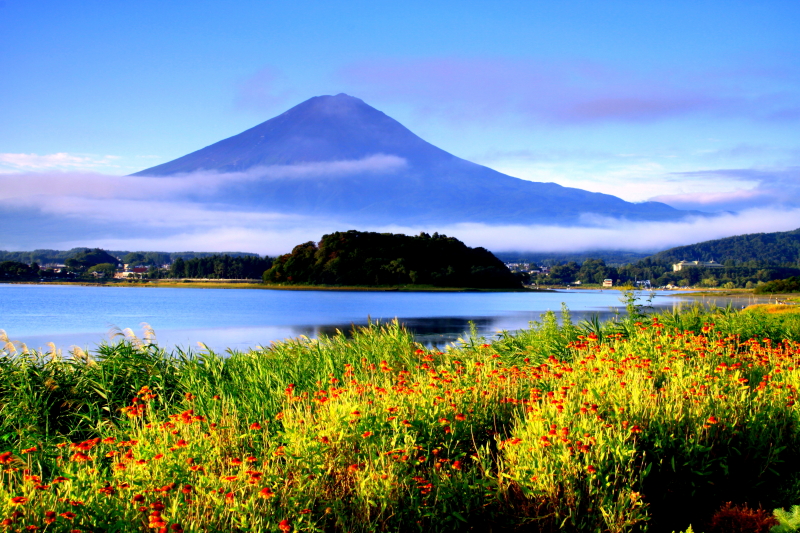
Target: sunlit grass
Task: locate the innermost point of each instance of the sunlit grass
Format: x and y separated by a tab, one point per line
637	424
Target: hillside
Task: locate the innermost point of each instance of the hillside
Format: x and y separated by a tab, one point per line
336	156
774	249
366	258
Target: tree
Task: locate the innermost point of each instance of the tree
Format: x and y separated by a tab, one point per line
107	269
177	269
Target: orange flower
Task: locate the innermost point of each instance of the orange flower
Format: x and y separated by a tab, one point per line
591	469
69	515
49	517
460	417
229	498
19	500
29	450
6	458
255	426
285	526
266	492
80	457
712	420
366	434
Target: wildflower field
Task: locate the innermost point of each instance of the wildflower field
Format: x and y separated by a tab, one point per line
640	424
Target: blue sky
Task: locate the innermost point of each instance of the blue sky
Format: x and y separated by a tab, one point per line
693	103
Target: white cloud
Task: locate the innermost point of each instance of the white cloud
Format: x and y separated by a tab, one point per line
61	160
156	213
35	185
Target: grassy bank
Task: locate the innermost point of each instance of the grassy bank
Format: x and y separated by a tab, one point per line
643	424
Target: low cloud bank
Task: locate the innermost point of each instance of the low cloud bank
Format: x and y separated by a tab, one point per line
139	213
31	185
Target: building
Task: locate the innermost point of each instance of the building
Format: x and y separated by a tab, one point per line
608	283
677	267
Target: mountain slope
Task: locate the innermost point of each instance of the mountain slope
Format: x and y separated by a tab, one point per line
337	156
779	248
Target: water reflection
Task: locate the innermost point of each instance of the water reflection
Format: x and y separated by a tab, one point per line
242	319
438	331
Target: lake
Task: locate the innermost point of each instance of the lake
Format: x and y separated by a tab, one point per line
243	318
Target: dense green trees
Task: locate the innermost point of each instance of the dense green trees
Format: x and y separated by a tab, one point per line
90	258
366	258
220	267
752	250
14	271
778	286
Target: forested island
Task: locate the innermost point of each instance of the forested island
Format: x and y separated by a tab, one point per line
356	258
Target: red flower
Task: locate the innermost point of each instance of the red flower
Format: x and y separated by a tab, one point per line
266	492
255	426
284	526
19	500
366	434
69	515
5	458
591	469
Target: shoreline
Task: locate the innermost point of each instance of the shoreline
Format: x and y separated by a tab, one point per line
245	284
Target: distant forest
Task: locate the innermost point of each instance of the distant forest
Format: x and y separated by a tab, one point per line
219	267
779	249
609	257
59	257
356	258
374	259
88	262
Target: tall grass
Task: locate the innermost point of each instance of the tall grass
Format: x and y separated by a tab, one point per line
640	424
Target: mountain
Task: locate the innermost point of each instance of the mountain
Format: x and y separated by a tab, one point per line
776	249
335	156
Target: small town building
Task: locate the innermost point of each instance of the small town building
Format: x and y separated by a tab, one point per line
608	283
677	267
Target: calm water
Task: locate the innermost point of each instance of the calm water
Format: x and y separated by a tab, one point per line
239	319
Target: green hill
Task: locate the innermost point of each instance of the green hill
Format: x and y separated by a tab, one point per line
366	258
754	249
